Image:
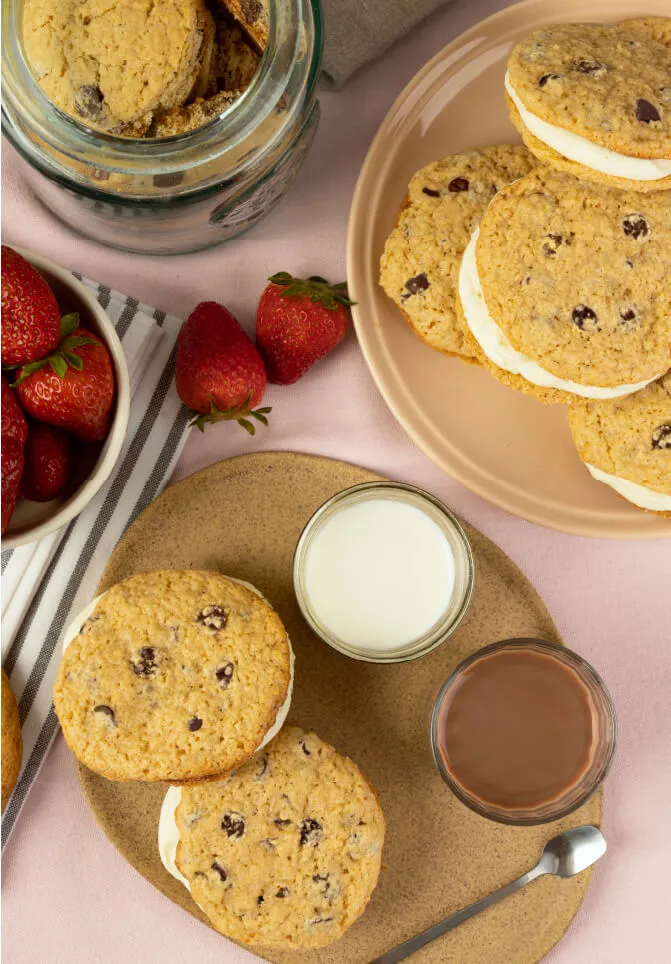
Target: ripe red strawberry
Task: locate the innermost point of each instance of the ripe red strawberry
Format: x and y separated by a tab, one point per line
73	388
12	470
297	323
219	372
48	462
14	423
30	314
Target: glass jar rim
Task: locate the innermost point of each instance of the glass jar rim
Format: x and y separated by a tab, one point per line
523	817
438	633
114	153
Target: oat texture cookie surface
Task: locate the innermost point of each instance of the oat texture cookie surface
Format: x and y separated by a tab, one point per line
111	64
576	279
286	853
12	741
253	16
179	120
595	100
174	676
420	263
628	442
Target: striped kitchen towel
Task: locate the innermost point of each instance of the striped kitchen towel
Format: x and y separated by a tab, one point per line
46	583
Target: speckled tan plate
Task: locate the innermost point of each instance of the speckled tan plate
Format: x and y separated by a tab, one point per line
505	446
243	517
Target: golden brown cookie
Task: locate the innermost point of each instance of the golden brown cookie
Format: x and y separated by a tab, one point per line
179	120
12	741
253	16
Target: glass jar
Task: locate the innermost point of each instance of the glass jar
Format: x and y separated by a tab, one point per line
181	193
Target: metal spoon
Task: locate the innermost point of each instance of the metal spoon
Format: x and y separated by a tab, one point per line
565	855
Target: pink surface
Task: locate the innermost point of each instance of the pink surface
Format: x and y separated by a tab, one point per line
68	897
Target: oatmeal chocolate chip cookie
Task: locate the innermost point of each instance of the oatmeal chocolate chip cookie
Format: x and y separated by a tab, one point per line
110	64
285	853
174	676
253	16
629	440
420	263
594	100
12	741
235	61
179	120
576	278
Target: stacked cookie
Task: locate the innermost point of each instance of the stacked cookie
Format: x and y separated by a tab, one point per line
186	677
550	264
142	69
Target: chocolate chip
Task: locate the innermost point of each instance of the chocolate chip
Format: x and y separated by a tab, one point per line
661	437
457	185
168	180
419	283
282	892
588	67
311	832
213	618
89	101
218	869
552	244
305	749
429	191
233	824
629	314
195	723
584	318
146	663
279	822
548	77
635	226
629	264
260	899
105	711
320	877
225	674
646	112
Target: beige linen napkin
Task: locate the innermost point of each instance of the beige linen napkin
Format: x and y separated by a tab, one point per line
356	31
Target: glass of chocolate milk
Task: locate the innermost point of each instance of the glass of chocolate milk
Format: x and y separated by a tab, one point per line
523	731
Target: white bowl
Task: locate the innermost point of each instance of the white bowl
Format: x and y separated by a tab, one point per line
34	520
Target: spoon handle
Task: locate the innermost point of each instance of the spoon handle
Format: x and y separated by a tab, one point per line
401	951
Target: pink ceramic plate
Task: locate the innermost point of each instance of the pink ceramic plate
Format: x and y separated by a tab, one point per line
507	447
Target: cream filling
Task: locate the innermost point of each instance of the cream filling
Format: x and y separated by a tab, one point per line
585	152
168	834
498	349
640	495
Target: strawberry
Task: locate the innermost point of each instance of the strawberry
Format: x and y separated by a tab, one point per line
74	387
219	372
12	470
298	322
30	314
48	462
14	423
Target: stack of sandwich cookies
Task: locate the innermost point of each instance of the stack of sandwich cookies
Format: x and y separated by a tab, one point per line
626	443
283	854
563	290
420	264
594	100
175	676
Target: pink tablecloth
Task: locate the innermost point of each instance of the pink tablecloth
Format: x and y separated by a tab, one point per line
68	897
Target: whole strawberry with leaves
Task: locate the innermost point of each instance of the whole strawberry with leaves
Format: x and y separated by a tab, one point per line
30	314
219	373
72	388
298	321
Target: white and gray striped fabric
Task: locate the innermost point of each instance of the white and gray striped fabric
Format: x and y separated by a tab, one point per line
45	584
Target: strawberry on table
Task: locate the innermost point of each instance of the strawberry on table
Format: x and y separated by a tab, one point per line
298	321
12	470
219	372
48	462
72	388
30	313
14	423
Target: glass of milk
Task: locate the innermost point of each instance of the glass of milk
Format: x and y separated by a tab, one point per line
383	572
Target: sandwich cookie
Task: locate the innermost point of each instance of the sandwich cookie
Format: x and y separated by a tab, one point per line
420	264
564	288
175	676
283	854
626	443
594	100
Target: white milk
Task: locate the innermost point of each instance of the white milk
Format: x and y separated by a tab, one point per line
379	574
